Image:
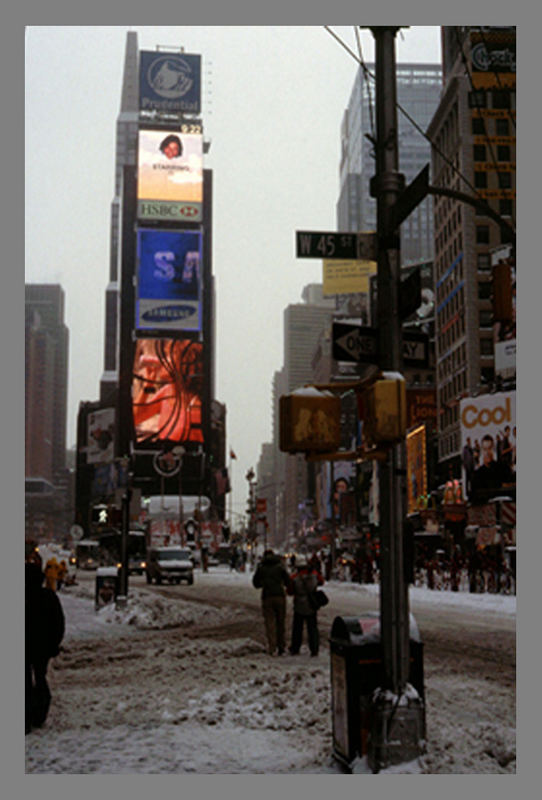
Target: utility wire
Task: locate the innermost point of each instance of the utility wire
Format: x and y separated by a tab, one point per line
412	121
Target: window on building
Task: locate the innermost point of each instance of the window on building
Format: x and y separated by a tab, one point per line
484	290
505	180
486	318
482	234
501	99
479	152
501	127
478	126
503	152
486	347
505	207
483	261
480	180
477	99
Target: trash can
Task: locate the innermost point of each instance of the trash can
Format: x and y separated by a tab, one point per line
355	649
107	586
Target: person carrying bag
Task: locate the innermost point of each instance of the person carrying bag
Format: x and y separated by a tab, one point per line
303	587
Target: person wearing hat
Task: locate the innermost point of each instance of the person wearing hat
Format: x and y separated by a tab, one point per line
302	583
44	630
272	577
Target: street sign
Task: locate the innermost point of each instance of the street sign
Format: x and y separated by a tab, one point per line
348	246
359	344
355	343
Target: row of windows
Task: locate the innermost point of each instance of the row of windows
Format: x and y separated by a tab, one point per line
490	127
448	445
452	361
492	98
453	387
502	152
504	179
449	337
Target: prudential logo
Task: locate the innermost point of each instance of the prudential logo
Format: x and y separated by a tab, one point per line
170	77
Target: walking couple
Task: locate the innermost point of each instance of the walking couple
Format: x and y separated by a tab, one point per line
273	579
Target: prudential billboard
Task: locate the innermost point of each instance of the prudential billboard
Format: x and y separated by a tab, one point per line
169	82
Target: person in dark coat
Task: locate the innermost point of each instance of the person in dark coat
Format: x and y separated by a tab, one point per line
272	577
44	630
302	583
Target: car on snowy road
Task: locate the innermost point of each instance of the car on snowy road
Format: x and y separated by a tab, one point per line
173	564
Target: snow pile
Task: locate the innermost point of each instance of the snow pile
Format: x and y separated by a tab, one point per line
146	611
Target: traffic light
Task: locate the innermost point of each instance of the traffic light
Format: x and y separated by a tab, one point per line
383	407
310	421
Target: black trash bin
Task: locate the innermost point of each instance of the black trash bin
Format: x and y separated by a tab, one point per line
107	586
355	649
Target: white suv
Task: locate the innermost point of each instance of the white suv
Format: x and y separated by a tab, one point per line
173	564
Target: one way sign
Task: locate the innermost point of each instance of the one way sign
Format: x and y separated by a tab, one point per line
359	344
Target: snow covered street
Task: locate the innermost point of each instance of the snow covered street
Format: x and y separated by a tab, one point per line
176	685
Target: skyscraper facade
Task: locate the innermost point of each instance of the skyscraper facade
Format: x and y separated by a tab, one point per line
46	389
474	135
418	91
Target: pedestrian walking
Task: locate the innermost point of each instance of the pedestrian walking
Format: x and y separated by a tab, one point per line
51	574
272	577
44	630
302	584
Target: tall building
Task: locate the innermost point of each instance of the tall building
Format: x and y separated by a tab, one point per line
125	153
303	323
46	391
418	90
474	135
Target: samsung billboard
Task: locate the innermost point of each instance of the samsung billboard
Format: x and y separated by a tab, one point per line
170	176
169	289
169	82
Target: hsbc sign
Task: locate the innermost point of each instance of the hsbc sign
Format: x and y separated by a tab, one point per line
172	211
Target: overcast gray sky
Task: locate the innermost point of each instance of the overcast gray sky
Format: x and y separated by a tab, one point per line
273	101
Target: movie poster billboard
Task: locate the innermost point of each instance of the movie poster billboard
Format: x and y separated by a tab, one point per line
416	453
101	436
169	82
169	267
488	444
167	391
170	176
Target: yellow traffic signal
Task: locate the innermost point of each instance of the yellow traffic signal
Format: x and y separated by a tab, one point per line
309	421
384	409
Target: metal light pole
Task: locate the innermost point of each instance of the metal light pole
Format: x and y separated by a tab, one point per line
396	734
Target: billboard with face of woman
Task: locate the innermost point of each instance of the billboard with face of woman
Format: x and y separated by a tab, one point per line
168	280
170	175
167	391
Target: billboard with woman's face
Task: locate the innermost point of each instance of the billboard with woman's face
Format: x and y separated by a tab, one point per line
170	175
167	391
168	280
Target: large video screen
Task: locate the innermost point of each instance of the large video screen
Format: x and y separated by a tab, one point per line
167	391
169	280
170	175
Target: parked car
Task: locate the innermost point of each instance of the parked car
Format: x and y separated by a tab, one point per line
173	564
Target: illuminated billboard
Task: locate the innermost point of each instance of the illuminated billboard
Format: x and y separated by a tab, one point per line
167	391
169	82
416	453
168	280
101	436
170	176
488	443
